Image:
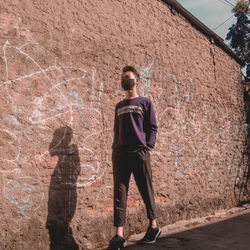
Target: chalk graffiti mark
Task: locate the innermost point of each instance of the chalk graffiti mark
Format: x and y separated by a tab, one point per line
145	87
56	102
187	168
179	117
25	193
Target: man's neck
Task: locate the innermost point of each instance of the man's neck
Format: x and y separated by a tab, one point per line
130	94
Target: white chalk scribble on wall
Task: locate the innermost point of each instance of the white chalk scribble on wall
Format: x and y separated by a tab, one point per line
25	193
41	97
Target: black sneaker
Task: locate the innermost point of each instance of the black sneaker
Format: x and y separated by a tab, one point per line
151	236
117	242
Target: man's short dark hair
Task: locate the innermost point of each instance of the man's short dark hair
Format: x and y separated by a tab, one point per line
132	69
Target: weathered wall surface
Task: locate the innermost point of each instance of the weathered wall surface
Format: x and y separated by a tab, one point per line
60	66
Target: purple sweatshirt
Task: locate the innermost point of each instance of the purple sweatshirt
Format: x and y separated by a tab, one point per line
135	125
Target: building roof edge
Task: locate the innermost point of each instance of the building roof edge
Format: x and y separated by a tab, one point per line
203	28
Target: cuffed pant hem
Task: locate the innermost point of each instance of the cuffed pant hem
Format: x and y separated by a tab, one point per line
119	225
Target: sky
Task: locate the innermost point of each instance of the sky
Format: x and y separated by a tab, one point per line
212	13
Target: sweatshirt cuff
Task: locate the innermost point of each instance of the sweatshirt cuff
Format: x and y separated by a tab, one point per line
149	147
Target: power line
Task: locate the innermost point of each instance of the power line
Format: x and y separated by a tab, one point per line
225	3
223	22
229	3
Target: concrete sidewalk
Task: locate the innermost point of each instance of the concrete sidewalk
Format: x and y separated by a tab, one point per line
229	230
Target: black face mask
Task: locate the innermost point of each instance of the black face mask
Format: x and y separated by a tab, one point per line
127	84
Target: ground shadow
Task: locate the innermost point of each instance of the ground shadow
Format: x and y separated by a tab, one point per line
62	190
229	234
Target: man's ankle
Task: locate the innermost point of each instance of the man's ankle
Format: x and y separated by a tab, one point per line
153	224
119	231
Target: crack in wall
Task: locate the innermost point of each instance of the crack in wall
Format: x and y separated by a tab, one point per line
212	53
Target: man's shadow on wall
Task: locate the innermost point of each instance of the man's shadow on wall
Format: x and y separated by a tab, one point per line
62	191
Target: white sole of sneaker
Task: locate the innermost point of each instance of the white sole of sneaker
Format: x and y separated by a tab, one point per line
125	244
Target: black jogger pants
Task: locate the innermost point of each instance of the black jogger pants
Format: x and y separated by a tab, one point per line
124	164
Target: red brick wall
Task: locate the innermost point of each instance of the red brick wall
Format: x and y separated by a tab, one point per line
60	66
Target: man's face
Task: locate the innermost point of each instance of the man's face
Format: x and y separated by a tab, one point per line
130	75
128	81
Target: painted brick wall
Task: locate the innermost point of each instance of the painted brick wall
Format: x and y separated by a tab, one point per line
60	67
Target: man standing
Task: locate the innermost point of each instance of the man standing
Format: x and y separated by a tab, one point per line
135	132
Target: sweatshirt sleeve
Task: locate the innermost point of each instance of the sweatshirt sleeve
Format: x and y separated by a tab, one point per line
150	126
116	129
